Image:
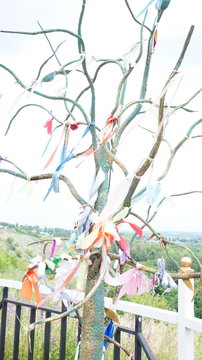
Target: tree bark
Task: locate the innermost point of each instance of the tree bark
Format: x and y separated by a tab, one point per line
93	316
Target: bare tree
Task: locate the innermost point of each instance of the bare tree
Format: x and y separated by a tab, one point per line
108	206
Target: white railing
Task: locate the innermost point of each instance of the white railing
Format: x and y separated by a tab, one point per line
184	318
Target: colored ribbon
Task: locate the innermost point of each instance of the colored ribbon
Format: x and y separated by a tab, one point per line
124	245
136	228
109	331
41	269
71	153
165	278
53	153
30	286
55	246
132	282
48	126
64	283
73	125
69	243
55	178
122	257
145	8
153	192
107	231
109	130
155	39
102	232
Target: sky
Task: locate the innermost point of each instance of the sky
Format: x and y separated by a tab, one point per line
108	32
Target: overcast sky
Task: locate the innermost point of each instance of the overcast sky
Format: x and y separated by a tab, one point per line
109	32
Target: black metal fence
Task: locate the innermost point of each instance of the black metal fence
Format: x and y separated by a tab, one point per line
140	343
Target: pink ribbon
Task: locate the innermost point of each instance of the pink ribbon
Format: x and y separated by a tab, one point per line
133	282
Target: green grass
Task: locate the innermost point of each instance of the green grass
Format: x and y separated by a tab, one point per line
161	337
39	337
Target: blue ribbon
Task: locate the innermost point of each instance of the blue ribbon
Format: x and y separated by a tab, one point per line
153	192
63	160
145	8
109	331
162	4
158	4
71	154
72	240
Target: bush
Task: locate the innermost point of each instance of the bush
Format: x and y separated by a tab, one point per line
18	253
29	252
150	299
4	261
10	240
10	261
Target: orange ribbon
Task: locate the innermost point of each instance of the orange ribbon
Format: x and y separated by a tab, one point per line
29	286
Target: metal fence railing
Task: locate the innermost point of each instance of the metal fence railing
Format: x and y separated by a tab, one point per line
140	343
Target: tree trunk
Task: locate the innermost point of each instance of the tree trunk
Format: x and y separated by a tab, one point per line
93	317
92	337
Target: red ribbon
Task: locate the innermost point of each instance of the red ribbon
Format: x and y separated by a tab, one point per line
48	125
136	228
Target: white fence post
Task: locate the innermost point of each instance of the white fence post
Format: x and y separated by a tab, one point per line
185	310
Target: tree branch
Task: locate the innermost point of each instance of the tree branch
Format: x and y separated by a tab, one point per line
149	270
46	95
187	102
116	343
46	32
134	18
45	177
156	146
177	147
25	106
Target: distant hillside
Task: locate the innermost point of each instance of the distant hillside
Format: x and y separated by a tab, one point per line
15	239
15	248
17	242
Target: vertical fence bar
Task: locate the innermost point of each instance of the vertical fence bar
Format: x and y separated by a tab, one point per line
117	337
138	330
63	333
3	323
47	337
185	309
16	332
79	331
32	334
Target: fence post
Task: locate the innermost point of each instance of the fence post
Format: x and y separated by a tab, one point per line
138	330
3	322
185	309
117	337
